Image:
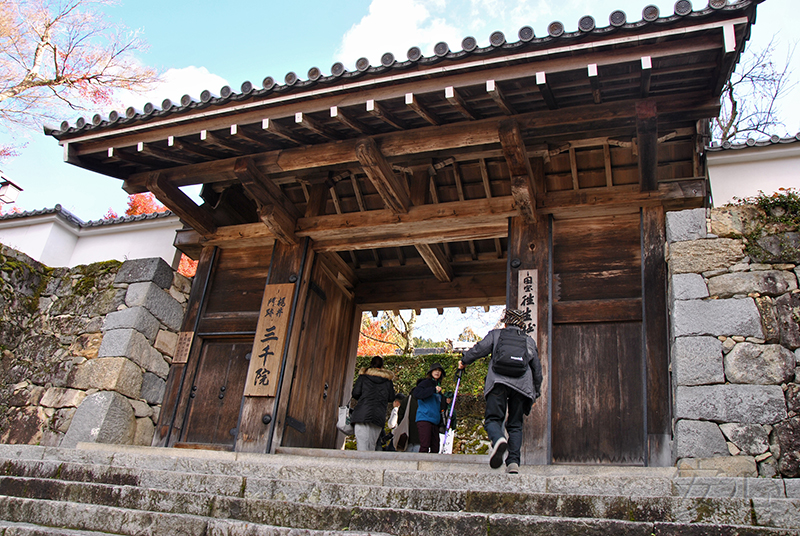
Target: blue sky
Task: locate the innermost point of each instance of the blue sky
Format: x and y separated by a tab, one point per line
205	45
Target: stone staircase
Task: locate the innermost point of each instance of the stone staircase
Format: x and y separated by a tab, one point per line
102	489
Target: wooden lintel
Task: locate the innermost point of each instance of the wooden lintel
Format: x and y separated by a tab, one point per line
276	211
422	110
498	97
315	126
351	122
480	289
434	257
380	173
376	109
547	92
179	203
647	138
457	102
519	166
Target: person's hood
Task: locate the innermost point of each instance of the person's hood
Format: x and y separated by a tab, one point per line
378	373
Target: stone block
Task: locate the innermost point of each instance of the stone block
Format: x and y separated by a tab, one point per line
141	408
788	307
24	425
135	346
86	345
752	404
688	287
769	318
137	318
108	374
153	388
759	364
734	221
793	488
699	439
787	434
104	417
699	256
780	247
140	270
144	432
769	283
182	283
166	342
59	397
716	317
697	361
752	439
686	225
157	301
793	397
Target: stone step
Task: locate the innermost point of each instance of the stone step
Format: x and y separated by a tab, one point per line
27	529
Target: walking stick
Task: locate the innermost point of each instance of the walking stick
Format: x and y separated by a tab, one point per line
450	415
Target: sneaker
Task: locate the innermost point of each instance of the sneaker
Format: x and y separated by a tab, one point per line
498	451
512	468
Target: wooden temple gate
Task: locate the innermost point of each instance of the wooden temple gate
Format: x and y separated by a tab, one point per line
535	174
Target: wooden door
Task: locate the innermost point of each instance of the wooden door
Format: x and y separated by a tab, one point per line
216	393
598	397
320	369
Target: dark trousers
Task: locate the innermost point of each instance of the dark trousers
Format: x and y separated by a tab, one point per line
499	400
428	436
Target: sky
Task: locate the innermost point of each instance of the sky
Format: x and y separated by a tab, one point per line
206	45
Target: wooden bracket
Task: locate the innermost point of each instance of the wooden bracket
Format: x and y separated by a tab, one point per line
434	257
519	167
380	173
276	211
179	203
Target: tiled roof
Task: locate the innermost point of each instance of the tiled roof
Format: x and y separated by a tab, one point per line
60	211
499	46
772	140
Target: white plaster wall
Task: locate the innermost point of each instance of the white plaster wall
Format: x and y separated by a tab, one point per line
35	239
59	246
743	172
137	240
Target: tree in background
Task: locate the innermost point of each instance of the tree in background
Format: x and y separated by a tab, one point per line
376	338
404	329
750	97
469	335
57	54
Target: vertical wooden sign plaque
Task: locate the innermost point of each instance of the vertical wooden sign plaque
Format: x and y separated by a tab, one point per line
529	300
271	335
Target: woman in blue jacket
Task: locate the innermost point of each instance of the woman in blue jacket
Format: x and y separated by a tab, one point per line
429	408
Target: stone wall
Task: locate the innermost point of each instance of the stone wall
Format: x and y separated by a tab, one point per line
734	345
86	350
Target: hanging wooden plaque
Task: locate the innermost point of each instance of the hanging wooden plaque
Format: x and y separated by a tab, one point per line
528	300
271	336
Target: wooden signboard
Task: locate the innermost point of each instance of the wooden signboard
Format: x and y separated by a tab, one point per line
529	300
271	334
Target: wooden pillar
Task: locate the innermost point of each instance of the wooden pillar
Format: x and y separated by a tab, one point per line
529	250
258	420
656	346
647	138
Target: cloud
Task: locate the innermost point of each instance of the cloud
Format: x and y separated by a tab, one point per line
395	26
175	83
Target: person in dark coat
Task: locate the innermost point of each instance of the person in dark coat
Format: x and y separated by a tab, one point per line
374	390
506	394
428	394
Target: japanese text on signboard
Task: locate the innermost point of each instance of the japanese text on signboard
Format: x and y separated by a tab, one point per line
271	335
529	300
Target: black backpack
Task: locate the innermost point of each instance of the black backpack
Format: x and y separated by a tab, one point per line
510	357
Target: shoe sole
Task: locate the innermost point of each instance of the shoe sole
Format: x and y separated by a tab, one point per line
497	456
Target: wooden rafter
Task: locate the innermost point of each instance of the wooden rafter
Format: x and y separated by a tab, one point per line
594	81
498	97
380	173
435	199
522	185
315	126
274	208
376	109
487	188
231	145
460	191
647	71
350	122
240	132
282	132
434	257
178	202
164	154
193	148
457	102
547	92
422	110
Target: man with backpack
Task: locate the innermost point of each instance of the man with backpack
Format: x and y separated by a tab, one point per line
513	383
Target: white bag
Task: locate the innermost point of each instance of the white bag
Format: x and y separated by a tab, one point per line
343	424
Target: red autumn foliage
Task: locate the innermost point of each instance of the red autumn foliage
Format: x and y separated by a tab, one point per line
375	339
145	203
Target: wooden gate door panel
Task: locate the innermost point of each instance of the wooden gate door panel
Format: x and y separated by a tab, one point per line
597	393
217	392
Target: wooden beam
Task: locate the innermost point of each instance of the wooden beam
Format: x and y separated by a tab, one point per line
573	167
275	209
204	152
434	257
179	203
164	154
422	110
376	109
241	132
647	71
594	81
350	122
315	126
498	97
478	289
380	173
282	132
647	136
457	102
519	167
607	163
317	198
546	90
233	145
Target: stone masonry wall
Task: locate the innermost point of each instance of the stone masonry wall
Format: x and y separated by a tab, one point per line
86	350
734	346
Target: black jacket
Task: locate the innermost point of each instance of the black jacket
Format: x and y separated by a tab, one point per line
374	391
